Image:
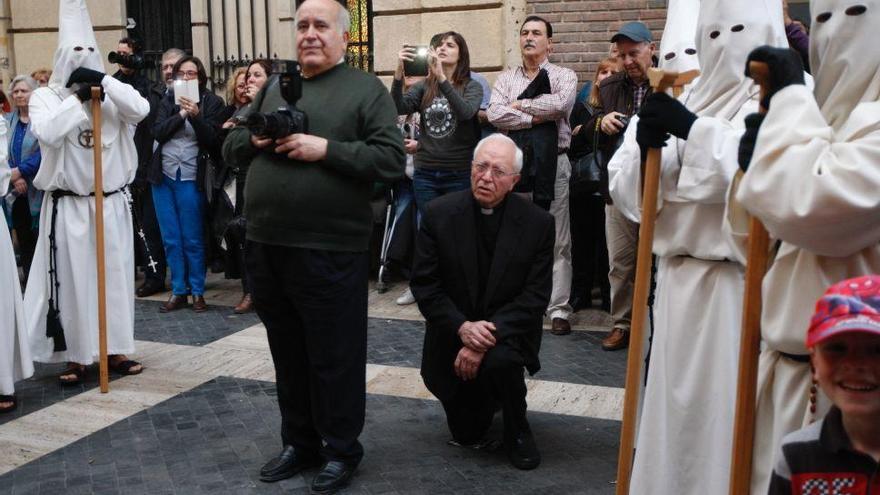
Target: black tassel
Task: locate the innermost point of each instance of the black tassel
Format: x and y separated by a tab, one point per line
54	330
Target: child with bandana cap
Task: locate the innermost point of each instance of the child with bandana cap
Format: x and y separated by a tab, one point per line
841	453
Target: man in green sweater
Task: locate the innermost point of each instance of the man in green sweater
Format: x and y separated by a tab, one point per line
308	228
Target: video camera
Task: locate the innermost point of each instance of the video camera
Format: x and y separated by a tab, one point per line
129	61
287	119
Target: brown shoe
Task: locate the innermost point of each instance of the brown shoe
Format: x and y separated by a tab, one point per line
245	305
199	305
617	339
560	326
173	304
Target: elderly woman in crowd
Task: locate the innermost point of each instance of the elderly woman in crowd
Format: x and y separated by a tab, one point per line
24	157
188	134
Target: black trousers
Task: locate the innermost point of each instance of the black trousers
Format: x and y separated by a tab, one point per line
145	216
589	252
469	412
314	306
23	223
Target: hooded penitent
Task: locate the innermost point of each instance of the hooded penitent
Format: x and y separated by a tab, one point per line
77	46
813	182
678	50
843	56
726	32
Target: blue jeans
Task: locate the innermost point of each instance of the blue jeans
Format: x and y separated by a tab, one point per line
432	183
179	209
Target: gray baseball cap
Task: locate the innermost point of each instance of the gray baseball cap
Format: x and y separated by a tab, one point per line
635	31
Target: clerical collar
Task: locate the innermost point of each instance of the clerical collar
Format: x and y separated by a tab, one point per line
498	209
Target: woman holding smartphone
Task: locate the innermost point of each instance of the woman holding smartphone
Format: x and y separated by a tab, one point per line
448	101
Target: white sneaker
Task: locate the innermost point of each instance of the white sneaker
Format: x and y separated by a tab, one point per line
406	298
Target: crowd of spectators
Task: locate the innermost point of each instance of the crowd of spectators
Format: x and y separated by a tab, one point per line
187	202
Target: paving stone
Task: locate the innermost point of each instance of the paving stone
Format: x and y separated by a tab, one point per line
405	443
574	358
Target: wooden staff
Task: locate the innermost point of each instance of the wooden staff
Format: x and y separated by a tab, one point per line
750	337
104	375
660	81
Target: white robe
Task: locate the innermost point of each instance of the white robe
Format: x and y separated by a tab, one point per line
816	189
686	427
57	122
15	357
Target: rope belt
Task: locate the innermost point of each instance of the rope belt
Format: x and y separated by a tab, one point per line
54	329
800	358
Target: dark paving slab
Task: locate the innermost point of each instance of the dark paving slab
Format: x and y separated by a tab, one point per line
183	327
574	358
214	438
186	327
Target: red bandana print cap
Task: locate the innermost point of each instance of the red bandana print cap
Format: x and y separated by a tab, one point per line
849	306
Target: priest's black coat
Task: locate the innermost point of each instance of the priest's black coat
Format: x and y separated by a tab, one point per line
446	286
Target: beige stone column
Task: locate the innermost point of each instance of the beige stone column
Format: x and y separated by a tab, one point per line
7	61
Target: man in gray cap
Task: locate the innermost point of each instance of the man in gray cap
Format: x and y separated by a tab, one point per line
621	95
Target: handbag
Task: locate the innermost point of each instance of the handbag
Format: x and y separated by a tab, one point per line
586	172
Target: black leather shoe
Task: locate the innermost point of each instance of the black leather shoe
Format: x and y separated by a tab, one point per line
286	464
522	451
149	287
333	476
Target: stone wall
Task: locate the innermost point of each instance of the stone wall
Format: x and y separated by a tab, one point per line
582	28
31	34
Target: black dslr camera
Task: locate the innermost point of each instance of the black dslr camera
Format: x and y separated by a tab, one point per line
287	119
129	61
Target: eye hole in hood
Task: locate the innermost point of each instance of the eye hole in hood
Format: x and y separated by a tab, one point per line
856	10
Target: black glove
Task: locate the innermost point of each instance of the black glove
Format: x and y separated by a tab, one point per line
649	137
84	93
784	65
747	141
85	76
664	113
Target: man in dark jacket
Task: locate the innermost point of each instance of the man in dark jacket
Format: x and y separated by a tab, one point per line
150	254
621	96
482	279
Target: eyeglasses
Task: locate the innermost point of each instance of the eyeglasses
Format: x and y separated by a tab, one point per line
188	73
481	167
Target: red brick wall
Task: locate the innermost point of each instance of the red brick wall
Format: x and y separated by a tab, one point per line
582	28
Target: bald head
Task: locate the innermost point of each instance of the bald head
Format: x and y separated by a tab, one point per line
321	35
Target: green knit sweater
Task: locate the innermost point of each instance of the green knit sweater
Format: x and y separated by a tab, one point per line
322	205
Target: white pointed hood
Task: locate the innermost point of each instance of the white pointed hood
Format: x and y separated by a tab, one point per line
77	46
843	56
727	31
678	50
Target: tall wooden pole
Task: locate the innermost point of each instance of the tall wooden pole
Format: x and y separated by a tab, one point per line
660	81
750	338
104	376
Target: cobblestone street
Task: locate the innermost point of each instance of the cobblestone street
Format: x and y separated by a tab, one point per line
203	417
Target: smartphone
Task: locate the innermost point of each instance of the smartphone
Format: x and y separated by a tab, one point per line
419	65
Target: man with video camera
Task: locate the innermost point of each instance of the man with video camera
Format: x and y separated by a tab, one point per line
308	226
149	251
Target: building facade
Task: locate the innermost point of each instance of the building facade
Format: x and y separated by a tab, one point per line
229	33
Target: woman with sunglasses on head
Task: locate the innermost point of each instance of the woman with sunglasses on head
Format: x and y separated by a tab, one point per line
230	224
